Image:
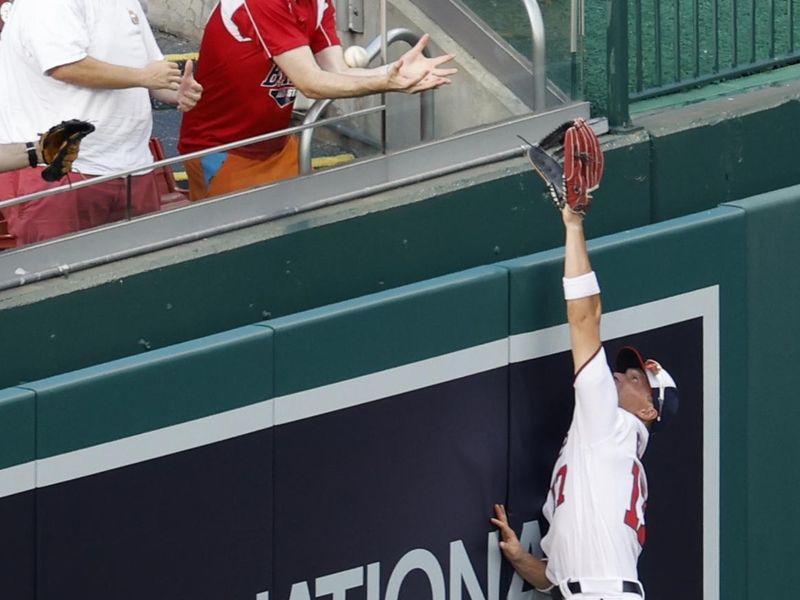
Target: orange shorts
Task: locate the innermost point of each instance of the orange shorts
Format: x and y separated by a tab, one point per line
225	172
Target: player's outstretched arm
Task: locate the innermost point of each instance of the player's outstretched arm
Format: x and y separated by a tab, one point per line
580	289
530	568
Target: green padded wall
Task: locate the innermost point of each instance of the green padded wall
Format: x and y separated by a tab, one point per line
772	349
17	427
739	247
161	388
312	266
388	329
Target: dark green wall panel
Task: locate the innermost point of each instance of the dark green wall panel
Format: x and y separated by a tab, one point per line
691	171
773	485
164	387
17	427
389	329
623	200
707	164
763	151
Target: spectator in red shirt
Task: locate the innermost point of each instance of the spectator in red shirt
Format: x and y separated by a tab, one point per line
255	55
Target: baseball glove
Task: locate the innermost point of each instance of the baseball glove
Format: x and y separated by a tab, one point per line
570	181
60	145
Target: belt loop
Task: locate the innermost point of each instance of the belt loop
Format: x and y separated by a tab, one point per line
556	593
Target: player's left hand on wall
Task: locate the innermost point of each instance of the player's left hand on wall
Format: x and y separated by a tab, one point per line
509	542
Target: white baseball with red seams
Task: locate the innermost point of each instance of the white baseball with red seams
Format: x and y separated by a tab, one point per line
356	57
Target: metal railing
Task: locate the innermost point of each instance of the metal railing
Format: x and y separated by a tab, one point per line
538	57
373	50
680	44
378	174
128	173
477	36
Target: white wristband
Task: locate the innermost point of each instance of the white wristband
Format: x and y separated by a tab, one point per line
581	286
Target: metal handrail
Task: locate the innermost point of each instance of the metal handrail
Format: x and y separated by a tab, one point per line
176	159
373	49
539	64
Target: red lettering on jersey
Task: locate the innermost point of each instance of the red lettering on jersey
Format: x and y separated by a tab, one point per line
632	519
558	481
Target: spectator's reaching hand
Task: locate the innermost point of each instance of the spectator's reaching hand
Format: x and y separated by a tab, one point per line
414	72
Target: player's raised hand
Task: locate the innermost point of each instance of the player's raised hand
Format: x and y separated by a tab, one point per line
415	72
189	91
509	542
570	217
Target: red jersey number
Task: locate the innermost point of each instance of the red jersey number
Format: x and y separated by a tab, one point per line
632	519
558	484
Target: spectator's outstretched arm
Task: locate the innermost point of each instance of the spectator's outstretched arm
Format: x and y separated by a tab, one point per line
15	156
583	313
326	75
97	74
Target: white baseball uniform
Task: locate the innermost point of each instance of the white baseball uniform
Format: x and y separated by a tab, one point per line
598	491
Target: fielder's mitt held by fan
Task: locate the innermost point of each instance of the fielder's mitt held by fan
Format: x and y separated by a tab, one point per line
570	181
59	147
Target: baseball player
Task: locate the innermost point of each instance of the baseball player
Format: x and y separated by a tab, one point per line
598	489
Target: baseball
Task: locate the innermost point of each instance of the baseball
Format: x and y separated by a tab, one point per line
356	56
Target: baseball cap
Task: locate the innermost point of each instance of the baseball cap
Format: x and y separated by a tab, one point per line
665	392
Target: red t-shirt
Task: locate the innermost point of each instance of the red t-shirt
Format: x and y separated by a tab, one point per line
244	92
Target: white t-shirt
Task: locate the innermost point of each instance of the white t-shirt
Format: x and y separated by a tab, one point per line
598	490
43	34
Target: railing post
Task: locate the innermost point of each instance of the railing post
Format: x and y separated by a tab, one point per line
539	63
617	65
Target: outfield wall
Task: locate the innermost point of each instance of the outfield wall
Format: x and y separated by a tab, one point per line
354	451
474	218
